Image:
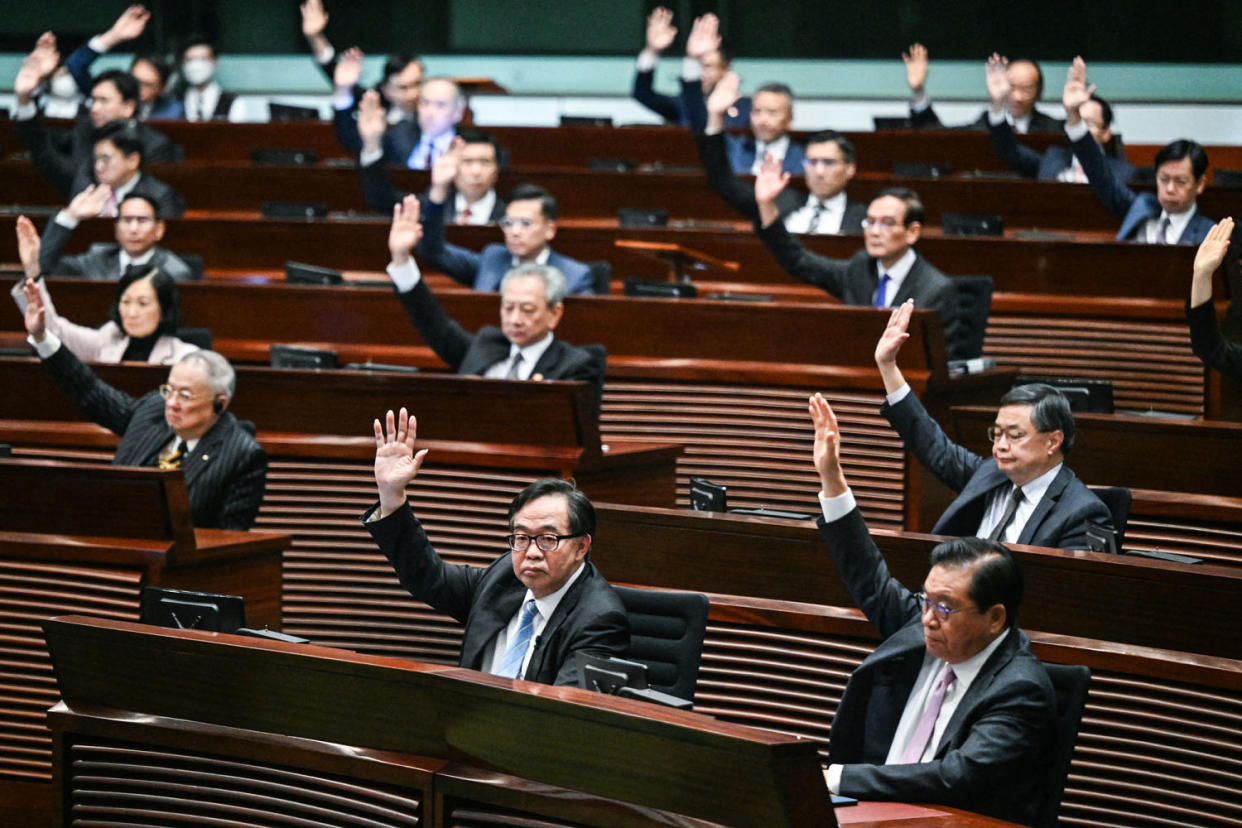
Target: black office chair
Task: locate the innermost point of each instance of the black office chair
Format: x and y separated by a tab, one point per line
601	277
1117	499
974	304
195	263
196	336
1069	682
666	634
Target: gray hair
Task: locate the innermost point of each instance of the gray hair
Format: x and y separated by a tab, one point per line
555	285
221	377
459	98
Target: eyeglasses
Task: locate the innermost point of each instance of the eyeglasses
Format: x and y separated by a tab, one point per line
938	609
185	395
508	223
886	223
1011	434
546	542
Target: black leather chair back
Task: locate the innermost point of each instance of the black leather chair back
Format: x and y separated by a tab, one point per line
1070	683
666	634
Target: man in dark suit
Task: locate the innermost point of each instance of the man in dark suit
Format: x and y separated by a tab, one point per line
1024	493
885	273
1026	83
704	65
534	608
828	163
1205	336
529	225
1168	217
139	229
951	707
182	425
399	91
531	306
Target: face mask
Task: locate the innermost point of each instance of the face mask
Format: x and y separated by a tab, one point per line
63	86
198	71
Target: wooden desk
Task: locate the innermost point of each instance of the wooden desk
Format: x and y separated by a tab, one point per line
80	538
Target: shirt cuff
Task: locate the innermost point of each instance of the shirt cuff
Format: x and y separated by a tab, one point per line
65	220
835	508
368	157
1076	131
996	118
97	43
920	103
832	775
326	55
26	111
49	345
691	69
343	100
899	395
647	61
405	276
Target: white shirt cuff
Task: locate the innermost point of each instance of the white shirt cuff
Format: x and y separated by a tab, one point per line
1076	131
832	775
647	61
65	220
98	44
996	118
835	508
898	395
49	345
405	276
920	103
691	69
343	100
326	55
26	111
368	157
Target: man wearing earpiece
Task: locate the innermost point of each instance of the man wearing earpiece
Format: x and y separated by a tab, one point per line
184	424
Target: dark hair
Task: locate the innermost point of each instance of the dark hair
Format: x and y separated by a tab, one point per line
825	136
165	292
914	207
157	62
1050	410
529	192
997	578
396	63
778	88
198	39
1106	109
1039	74
155	207
125	83
581	512
123	133
470	135
1184	148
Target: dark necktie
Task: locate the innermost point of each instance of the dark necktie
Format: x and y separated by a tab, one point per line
1162	237
1007	518
516	363
881	293
818	214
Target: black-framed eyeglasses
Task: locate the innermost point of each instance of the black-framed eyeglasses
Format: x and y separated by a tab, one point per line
938	609
547	542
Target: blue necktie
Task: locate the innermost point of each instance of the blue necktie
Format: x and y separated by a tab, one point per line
511	664
881	293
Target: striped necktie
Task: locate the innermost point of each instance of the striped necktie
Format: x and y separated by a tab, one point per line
511	664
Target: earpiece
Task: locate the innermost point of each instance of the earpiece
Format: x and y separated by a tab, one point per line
217	405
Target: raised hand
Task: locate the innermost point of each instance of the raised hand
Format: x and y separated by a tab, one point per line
314	19
90	202
36	325
997	74
827	449
660	30
704	36
348	69
41	62
1211	253
406	230
725	95
131	24
770	180
1076	92
28	246
372	121
396	463
444	170
916	67
886	350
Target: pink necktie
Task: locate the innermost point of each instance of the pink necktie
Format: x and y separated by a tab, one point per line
464	218
922	733
110	208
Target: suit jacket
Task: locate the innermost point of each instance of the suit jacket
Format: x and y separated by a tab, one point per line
928	119
468	354
60	158
991	755
483	271
741	150
102	262
225	474
170	202
1208	343
1048	165
377	189
1133	209
398	142
739	196
164	108
589	618
1060	517
854	280
687	109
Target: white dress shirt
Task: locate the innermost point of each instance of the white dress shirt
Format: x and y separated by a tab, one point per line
998	503
896	275
531	354
494	653
830	217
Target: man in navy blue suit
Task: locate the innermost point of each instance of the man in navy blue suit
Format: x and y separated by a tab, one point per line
771	115
529	225
1168	217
